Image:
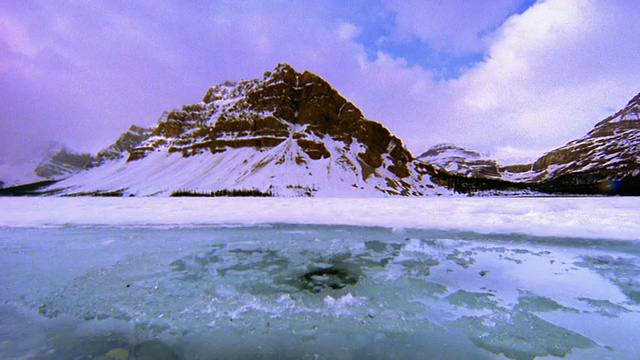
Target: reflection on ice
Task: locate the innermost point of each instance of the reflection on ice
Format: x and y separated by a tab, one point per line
316	292
620	271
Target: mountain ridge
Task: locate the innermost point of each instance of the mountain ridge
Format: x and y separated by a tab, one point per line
289	133
604	161
292	134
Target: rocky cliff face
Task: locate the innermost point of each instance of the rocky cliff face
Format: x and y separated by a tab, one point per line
610	149
123	146
284	105
459	161
289	133
605	161
61	162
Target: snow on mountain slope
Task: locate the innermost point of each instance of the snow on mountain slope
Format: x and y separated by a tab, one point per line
16	174
609	152
605	161
60	162
460	161
288	134
274	170
292	134
57	162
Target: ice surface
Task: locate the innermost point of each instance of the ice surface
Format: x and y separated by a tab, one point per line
604	217
102	274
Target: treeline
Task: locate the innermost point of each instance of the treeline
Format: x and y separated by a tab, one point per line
32	189
569	184
222	193
470	186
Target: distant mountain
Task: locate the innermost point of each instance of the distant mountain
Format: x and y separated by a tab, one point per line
12	174
292	134
56	163
460	161
60	162
287	134
605	161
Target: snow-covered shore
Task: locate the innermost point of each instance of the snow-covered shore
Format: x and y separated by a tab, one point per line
600	217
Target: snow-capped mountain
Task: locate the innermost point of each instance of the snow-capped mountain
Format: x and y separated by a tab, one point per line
292	134
123	146
605	160
460	161
56	163
60	162
608	152
12	174
287	134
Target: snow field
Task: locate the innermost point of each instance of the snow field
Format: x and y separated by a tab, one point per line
615	218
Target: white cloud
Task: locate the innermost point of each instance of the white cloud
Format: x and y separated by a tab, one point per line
347	31
550	75
457	26
15	35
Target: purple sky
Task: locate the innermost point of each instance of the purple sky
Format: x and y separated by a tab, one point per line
510	77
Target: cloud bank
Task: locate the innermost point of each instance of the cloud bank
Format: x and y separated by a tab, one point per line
514	79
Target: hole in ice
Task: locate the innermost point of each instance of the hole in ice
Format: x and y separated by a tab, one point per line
327	278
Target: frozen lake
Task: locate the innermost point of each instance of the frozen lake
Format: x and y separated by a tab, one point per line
464	278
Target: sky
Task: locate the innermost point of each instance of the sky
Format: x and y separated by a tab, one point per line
510	78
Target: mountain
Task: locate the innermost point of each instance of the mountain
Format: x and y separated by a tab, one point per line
460	161
12	174
123	146
605	161
287	134
292	134
466	171
56	163
61	162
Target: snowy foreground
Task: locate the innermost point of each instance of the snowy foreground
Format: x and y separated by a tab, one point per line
610	218
218	278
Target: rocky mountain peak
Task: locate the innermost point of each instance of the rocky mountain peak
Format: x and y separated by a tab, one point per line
285	123
124	145
285	104
626	119
610	150
450	150
60	162
459	161
263	109
283	95
303	98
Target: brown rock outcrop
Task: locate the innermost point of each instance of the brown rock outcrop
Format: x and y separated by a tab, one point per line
611	151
